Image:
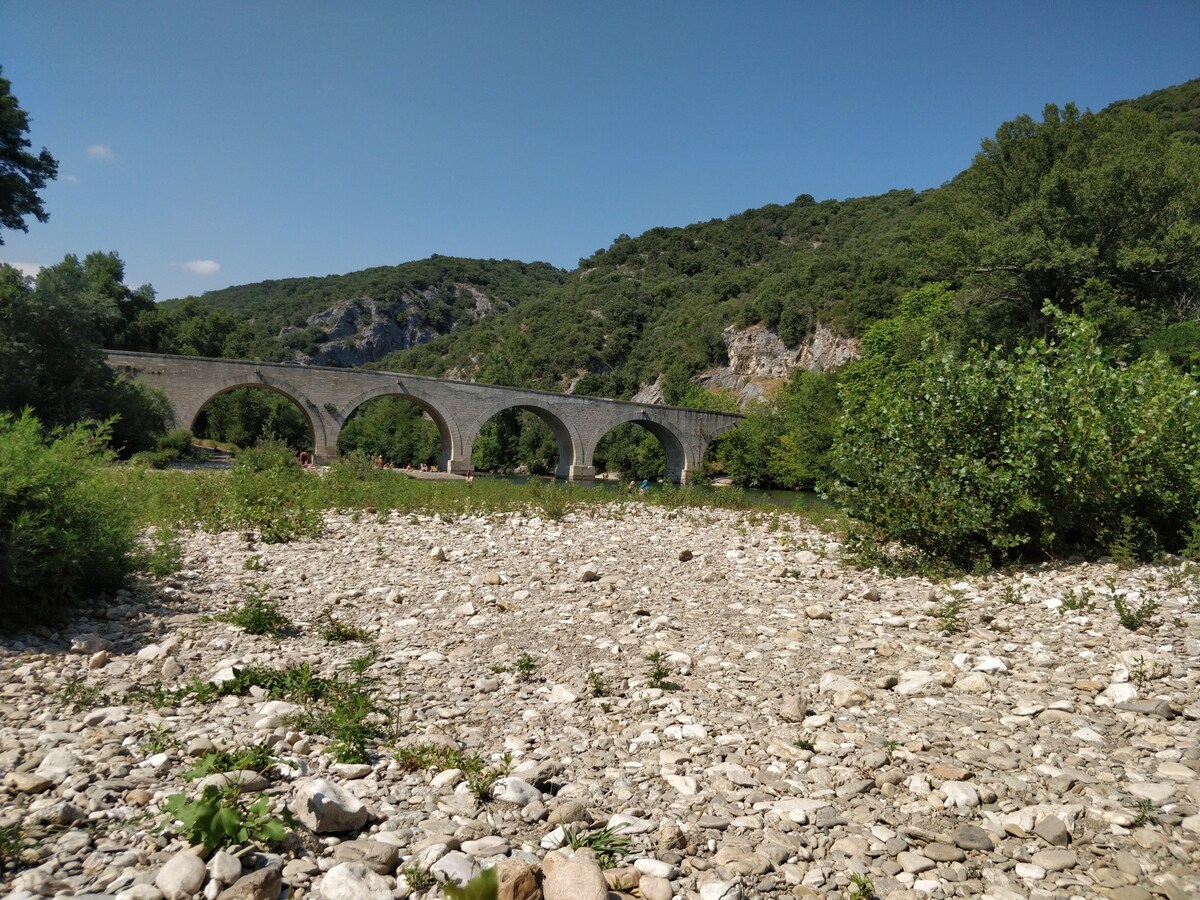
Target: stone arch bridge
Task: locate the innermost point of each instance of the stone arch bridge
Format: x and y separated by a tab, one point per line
328	396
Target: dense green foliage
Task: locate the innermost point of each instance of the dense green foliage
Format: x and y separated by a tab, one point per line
1048	450
65	530
52	332
22	174
394	429
245	416
659	303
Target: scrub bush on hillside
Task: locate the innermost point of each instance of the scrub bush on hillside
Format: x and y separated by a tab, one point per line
1048	451
65	532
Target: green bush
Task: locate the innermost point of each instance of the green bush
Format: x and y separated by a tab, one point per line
1049	451
65	531
153	459
179	441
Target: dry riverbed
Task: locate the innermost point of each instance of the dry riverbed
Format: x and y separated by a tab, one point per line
824	735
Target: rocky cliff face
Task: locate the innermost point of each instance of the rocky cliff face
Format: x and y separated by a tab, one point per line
363	330
759	360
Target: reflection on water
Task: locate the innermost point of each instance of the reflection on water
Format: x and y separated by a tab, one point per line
806	500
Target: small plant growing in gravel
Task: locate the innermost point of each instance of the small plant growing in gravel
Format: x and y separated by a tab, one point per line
657	671
76	692
525	667
1077	601
861	887
482	887
418	879
336	632
1182	577
806	744
598	684
606	843
949	613
1012	594
258	614
1134	617
254	758
347	711
165	553
154	696
253	563
1138	673
1147	813
221	818
158	739
12	841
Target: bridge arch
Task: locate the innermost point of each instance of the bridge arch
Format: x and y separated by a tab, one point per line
187	416
680	457
567	438
447	429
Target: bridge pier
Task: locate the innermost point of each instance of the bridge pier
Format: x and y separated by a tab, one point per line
459	466
581	473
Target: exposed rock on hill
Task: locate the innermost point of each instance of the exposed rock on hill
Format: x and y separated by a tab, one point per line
758	359
363	330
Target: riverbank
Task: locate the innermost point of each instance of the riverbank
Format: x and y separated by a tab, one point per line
805	725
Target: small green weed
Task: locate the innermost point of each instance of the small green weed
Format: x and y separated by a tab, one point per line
258	614
158	739
12	842
348	713
165	554
806	744
1012	594
526	666
1132	617
482	887
606	843
76	692
253	564
861	887
154	696
949	613
254	758
221	818
598	684
418	879
1147	813
336	632
657	671
1077	601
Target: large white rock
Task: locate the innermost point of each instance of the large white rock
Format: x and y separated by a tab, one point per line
58	764
515	790
573	876
182	876
328	808
353	881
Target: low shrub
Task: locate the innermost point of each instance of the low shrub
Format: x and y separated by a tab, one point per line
65	532
178	441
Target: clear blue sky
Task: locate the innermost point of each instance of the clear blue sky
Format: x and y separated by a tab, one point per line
214	143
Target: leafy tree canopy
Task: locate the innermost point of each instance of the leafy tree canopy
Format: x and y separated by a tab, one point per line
22	174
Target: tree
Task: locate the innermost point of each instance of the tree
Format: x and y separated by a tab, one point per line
22	174
1094	213
51	335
